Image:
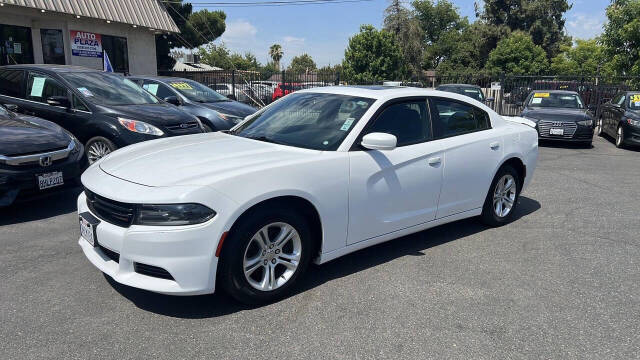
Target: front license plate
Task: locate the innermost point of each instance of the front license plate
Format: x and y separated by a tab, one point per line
556	131
88	224
49	180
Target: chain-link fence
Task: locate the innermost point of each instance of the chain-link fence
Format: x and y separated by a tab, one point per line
504	93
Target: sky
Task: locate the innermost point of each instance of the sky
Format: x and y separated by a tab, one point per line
323	30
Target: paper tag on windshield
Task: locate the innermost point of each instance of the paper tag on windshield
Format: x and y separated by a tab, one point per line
536	100
541	95
85	91
635	98
347	124
37	86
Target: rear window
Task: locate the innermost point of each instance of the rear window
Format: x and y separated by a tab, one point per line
11	83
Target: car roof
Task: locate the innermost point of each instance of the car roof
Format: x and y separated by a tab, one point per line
52	68
567	92
384	92
157	78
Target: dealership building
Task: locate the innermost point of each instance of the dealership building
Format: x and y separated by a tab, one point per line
76	32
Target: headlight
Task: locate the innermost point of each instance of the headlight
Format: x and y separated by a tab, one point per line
172	214
633	122
234	119
140	127
76	142
586	122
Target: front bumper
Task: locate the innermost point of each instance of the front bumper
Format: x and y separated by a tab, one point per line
20	182
632	135
572	133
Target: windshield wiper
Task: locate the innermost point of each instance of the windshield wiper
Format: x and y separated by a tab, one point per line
265	139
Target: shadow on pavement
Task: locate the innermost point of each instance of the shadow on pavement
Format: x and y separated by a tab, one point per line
41	207
206	306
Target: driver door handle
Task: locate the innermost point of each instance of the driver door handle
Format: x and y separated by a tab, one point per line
495	145
435	161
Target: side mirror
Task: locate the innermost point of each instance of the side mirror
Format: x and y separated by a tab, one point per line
173	100
61	101
11	107
379	141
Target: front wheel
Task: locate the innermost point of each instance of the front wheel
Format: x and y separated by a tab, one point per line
265	255
600	132
620	137
502	199
98	147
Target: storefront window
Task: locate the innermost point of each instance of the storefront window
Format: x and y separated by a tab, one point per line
52	46
15	45
116	48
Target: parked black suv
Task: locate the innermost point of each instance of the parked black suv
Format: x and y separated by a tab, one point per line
215	111
36	156
104	111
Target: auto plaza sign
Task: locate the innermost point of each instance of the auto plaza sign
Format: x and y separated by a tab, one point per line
86	44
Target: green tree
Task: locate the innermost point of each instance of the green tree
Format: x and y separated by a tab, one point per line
248	61
196	29
587	57
457	52
406	28
302	64
371	56
621	37
438	18
276	53
517	54
543	20
216	55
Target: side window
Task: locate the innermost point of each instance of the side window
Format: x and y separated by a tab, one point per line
78	104
451	118
41	86
621	100
408	121
157	89
616	99
11	83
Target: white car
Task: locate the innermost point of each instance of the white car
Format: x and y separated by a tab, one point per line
314	176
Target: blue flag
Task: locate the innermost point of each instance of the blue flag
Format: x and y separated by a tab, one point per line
106	63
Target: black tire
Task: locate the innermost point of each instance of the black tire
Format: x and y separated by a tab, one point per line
207	128
489	216
91	158
231	275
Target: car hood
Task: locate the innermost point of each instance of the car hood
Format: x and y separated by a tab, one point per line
231	107
197	159
156	114
27	135
557	114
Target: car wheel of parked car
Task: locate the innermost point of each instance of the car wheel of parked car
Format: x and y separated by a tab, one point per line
207	128
98	147
265	254
620	138
599	131
502	199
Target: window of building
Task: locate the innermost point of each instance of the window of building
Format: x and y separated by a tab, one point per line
15	45
52	46
407	121
451	118
11	83
116	48
41	86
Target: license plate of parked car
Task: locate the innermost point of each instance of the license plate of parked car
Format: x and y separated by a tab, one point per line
87	231
556	132
50	180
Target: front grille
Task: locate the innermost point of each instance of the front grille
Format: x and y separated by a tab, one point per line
544	128
111	211
153	271
187	126
110	253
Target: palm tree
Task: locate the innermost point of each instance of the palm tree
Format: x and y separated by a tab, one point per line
275	51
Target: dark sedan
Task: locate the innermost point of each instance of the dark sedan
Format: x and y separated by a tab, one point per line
560	116
215	111
104	111
620	118
36	156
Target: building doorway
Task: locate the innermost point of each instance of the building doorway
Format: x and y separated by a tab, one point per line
15	45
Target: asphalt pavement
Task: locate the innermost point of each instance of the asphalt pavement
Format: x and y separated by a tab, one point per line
562	281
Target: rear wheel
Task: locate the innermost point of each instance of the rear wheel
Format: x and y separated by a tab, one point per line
599	130
265	255
502	199
620	137
98	147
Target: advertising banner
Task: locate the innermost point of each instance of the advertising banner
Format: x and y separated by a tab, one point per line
86	44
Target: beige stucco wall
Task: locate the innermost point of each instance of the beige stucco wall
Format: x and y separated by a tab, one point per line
140	41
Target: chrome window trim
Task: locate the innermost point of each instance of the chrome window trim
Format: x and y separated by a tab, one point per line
55	155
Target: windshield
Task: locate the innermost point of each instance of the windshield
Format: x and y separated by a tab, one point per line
307	120
634	101
473	93
109	89
556	100
195	91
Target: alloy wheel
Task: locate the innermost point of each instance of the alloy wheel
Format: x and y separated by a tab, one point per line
272	256
600	126
504	196
619	137
97	150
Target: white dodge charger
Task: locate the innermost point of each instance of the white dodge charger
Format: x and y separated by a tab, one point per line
314	176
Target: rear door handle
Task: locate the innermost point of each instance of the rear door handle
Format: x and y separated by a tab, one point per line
434	161
495	145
